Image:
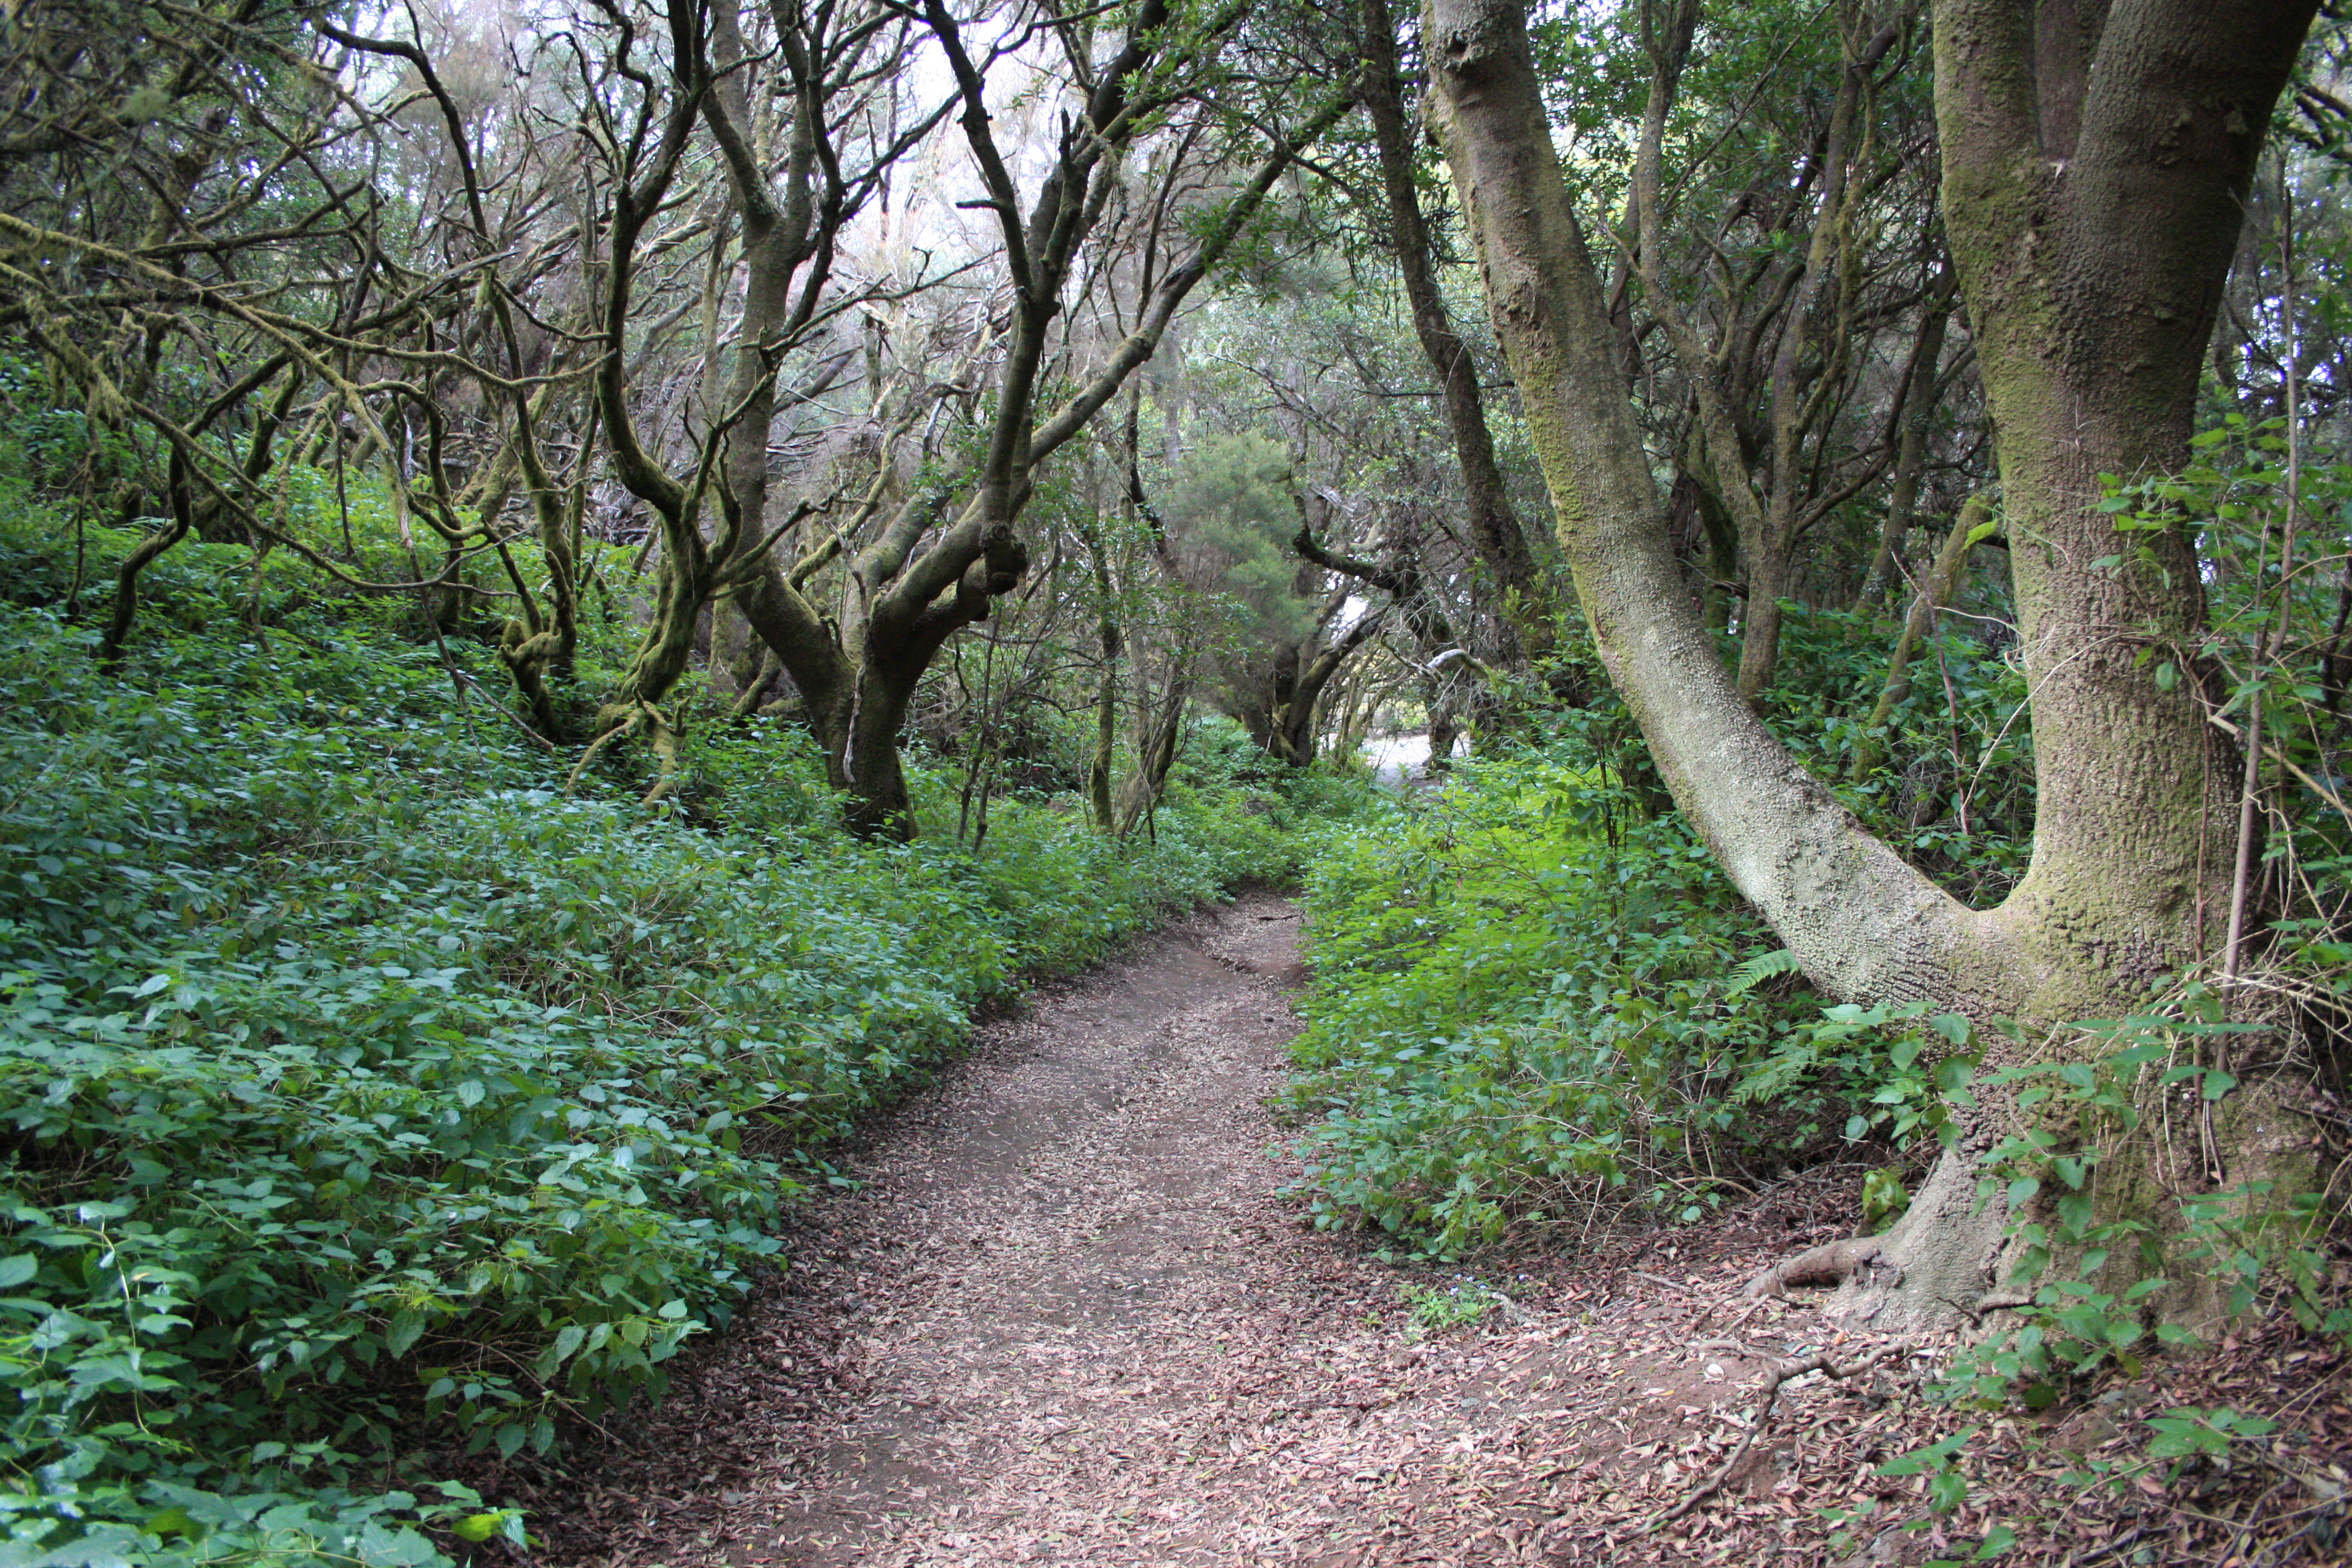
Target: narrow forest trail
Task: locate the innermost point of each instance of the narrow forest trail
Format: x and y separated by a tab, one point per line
1065	1319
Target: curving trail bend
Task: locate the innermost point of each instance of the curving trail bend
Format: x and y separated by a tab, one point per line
1065	1319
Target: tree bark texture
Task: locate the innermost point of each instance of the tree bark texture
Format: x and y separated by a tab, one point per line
2092	215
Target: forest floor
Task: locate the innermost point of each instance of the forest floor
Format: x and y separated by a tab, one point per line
1065	1317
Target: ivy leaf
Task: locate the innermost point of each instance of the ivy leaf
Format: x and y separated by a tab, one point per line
478	1527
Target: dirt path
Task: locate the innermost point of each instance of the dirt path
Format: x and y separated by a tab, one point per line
1080	1207
1065	1319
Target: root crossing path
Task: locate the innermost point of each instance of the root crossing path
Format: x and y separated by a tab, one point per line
1066	1319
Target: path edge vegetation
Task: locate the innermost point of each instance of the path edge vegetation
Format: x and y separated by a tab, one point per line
396	1105
470	825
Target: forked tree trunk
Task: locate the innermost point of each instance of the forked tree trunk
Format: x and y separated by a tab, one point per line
917	585
1156	749
1281	716
2091	215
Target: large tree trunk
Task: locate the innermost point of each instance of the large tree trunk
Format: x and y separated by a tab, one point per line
2092	215
1288	735
878	806
2092	226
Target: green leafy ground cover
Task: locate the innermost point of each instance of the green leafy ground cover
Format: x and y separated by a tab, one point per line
366	1095
1537	1007
1538	1001
1520	1011
1537	997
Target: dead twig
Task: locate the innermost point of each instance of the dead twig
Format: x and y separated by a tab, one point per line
1662	1281
1739	1319
1738	1347
1780	1373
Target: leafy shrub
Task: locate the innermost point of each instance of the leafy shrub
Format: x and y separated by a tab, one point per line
366	1095
1956	791
1539	993
1523	1005
1436	1308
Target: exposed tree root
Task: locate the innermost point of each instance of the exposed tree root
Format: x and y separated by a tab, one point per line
665	743
466	683
1832	1265
764	674
659	732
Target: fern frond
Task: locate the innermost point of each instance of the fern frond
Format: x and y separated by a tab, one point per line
1760	968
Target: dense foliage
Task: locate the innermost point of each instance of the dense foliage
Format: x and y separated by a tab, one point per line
1522	1005
1539	1000
576	593
370	1092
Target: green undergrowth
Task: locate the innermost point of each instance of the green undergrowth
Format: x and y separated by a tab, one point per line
369	1098
1523	1006
1538	1001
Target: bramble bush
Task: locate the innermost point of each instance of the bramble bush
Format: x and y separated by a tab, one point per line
368	1096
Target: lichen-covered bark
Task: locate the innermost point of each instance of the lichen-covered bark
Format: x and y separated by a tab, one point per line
2091	215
